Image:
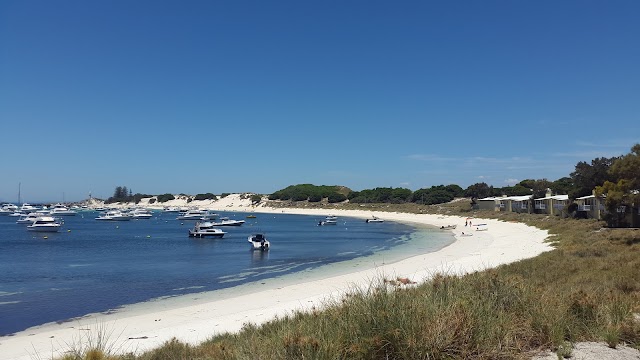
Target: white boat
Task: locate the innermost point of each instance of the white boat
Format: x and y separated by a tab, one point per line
329	220
141	214
114	215
225	221
374	220
204	230
259	242
192	215
27	208
7	209
205	225
172	209
28	218
61	210
44	211
45	224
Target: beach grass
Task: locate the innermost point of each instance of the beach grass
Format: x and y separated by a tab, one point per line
587	289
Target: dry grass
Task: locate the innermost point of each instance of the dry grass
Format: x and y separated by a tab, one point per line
586	289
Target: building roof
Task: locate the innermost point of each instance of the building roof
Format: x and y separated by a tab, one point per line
555	197
586	197
519	198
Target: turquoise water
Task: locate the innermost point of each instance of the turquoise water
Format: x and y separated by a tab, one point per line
92	266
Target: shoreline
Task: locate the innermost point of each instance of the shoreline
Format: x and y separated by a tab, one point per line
194	318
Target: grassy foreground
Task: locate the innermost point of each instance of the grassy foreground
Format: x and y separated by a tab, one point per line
586	289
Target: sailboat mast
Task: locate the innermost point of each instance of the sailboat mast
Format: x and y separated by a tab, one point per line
19	186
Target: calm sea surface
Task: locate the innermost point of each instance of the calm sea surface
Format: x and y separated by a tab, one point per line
93	266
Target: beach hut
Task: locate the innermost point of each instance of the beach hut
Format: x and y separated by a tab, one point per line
590	207
521	204
551	204
489	203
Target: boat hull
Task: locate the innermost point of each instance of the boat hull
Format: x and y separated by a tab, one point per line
119	218
201	234
48	228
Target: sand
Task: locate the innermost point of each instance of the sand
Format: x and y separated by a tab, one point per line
195	317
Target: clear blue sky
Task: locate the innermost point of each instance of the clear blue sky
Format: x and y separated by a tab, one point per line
234	96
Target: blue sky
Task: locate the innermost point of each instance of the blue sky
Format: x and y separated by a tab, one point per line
234	96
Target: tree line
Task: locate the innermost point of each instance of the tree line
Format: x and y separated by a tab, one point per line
616	177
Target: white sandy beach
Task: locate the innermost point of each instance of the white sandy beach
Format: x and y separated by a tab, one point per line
194	318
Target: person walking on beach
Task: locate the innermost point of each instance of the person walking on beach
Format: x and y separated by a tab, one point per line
465	222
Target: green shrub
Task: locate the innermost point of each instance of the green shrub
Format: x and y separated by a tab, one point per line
165	197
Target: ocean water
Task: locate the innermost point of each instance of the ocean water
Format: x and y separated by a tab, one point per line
95	266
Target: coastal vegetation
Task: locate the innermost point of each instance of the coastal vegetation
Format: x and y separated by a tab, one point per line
311	193
165	197
207	196
123	194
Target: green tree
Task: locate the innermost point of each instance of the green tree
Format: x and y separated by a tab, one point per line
516	190
207	196
255	198
454	190
538	187
165	197
434	195
587	176
563	186
336	198
478	191
623	195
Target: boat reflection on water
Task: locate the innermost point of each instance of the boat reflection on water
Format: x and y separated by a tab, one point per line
259	256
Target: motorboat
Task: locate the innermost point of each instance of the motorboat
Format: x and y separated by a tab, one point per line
259	242
114	215
374	220
28	218
204	230
141	214
61	210
193	214
225	221
44	211
329	220
27	208
208	215
8	208
171	209
251	216
45	224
